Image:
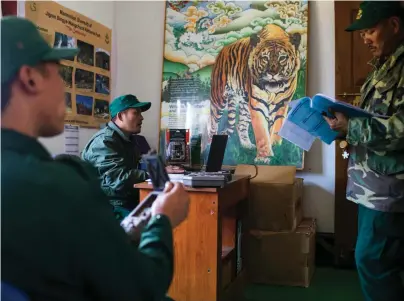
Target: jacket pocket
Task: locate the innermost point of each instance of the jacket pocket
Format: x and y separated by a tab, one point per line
390	164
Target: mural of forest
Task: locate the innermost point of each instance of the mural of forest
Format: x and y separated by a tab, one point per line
232	67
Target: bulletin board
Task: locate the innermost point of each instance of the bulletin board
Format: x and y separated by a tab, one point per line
87	77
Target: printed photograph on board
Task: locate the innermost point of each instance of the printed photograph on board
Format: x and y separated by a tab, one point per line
232	67
63	27
102	59
102	84
84	105
86	53
101	109
63	40
84	80
67	74
68	101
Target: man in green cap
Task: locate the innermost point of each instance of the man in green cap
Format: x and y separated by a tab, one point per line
59	239
376	148
116	157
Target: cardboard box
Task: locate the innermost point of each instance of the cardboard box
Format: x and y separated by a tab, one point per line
281	258
275	202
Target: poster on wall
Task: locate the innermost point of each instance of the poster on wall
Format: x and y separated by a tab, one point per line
232	67
87	77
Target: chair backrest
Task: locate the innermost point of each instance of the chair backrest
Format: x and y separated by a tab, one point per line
11	293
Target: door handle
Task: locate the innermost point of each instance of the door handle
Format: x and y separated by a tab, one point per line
348	94
357	99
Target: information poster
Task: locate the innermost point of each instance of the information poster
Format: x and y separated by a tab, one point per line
72	136
232	68
88	76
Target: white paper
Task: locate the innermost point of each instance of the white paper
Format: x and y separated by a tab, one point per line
174	177
292	103
296	135
71	134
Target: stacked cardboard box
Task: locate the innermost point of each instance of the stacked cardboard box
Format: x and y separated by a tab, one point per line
279	247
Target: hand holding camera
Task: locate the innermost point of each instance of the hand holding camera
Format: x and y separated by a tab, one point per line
167	199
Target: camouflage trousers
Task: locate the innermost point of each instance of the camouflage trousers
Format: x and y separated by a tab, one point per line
379	254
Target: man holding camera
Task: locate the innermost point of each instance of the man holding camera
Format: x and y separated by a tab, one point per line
60	240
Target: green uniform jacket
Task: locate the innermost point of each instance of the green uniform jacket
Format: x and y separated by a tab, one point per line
376	165
114	155
60	240
383	139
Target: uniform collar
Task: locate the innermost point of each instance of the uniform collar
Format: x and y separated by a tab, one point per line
390	61
121	133
15	141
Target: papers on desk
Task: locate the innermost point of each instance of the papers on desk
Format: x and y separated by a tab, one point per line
305	122
174	177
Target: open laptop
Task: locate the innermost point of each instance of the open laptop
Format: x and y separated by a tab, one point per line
216	153
212	176
214	162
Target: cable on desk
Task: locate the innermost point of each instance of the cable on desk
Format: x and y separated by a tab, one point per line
256	172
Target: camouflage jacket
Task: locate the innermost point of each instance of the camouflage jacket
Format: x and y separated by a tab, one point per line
112	152
376	165
382	93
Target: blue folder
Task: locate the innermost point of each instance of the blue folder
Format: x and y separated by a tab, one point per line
324	104
311	121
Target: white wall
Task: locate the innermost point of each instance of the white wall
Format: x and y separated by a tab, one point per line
319	175
104	13
140	61
140	52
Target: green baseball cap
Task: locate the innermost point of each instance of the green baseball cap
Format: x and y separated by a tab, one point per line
372	12
22	44
124	102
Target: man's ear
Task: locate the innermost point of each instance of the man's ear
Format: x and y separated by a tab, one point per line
396	24
29	79
119	116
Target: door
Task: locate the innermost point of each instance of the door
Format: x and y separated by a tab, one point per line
351	70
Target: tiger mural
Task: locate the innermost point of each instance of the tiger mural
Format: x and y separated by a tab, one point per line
258	75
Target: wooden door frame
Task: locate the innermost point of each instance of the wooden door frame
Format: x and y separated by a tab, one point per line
345	213
8	8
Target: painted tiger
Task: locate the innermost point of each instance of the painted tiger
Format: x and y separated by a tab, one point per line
258	75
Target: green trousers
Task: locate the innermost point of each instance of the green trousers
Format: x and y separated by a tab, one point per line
379	254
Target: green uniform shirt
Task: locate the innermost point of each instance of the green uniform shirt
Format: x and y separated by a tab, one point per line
376	165
114	155
60	240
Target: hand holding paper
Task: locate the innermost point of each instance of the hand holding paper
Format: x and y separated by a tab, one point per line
338	123
320	117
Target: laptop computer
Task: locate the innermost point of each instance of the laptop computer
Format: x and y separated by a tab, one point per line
212	176
216	153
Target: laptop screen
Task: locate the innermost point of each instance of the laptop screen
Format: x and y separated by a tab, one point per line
216	153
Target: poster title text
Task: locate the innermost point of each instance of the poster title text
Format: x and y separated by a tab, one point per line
76	22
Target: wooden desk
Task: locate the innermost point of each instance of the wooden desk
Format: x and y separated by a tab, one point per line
208	243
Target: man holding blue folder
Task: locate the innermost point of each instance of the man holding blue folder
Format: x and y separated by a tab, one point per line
376	146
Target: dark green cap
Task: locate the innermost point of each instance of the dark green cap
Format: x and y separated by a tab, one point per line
22	44
128	101
372	12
